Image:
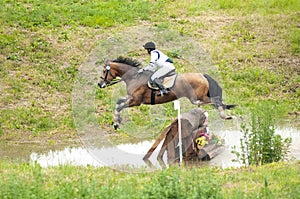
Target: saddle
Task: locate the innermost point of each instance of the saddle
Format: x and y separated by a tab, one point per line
168	81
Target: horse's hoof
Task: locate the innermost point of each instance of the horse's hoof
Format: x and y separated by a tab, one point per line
228	118
120	120
116	126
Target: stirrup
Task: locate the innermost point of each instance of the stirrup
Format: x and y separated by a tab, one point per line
163	92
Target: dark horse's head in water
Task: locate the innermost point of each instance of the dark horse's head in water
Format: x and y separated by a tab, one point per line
193	86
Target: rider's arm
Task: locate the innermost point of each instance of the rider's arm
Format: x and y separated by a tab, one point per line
151	66
154	58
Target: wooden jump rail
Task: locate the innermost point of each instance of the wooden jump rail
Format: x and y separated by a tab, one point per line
193	126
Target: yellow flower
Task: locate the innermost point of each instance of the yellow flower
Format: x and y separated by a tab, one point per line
201	142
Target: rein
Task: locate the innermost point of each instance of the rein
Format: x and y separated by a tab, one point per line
114	81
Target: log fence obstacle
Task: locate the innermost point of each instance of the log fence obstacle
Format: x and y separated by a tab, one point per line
196	142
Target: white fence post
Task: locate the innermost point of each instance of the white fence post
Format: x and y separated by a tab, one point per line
177	107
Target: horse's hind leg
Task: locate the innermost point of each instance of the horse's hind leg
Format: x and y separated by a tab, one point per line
205	100
217	104
223	114
220	106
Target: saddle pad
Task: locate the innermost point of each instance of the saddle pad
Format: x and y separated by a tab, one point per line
168	82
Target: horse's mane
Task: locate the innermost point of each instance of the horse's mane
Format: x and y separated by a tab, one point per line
126	60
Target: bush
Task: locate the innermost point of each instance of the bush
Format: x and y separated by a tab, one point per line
260	145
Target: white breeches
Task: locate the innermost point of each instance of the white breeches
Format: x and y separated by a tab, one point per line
168	67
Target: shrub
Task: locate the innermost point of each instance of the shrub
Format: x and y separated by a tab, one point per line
260	145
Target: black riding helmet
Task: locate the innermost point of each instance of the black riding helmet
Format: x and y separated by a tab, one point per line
149	45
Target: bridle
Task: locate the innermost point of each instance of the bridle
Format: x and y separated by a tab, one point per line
105	81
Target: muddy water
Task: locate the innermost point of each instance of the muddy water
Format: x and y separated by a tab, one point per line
127	154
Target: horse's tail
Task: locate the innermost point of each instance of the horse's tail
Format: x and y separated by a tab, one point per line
215	93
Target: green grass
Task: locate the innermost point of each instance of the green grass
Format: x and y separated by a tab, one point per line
243	7
35	14
295	38
254	44
32	181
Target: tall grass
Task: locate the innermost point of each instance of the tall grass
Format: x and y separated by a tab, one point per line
31	181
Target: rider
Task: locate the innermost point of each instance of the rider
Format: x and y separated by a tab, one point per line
160	64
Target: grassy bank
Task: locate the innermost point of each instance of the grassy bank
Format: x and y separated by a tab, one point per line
255	46
31	181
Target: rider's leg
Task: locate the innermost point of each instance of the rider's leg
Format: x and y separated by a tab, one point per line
163	90
156	78
161	72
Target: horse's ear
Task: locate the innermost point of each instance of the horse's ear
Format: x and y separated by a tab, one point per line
106	62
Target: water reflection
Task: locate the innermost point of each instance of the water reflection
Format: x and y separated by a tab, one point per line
78	156
132	154
123	154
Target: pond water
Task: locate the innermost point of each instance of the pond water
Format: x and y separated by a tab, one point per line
127	154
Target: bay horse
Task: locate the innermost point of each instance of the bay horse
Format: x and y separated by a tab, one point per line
193	86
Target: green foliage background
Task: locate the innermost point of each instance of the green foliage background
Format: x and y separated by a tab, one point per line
254	44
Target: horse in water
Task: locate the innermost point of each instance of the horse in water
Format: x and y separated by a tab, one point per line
194	86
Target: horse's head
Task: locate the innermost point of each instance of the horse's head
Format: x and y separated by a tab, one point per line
107	76
120	67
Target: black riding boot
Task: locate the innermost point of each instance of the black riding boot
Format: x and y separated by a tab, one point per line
163	90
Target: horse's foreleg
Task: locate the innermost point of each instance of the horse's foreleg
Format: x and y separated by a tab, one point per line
119	106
